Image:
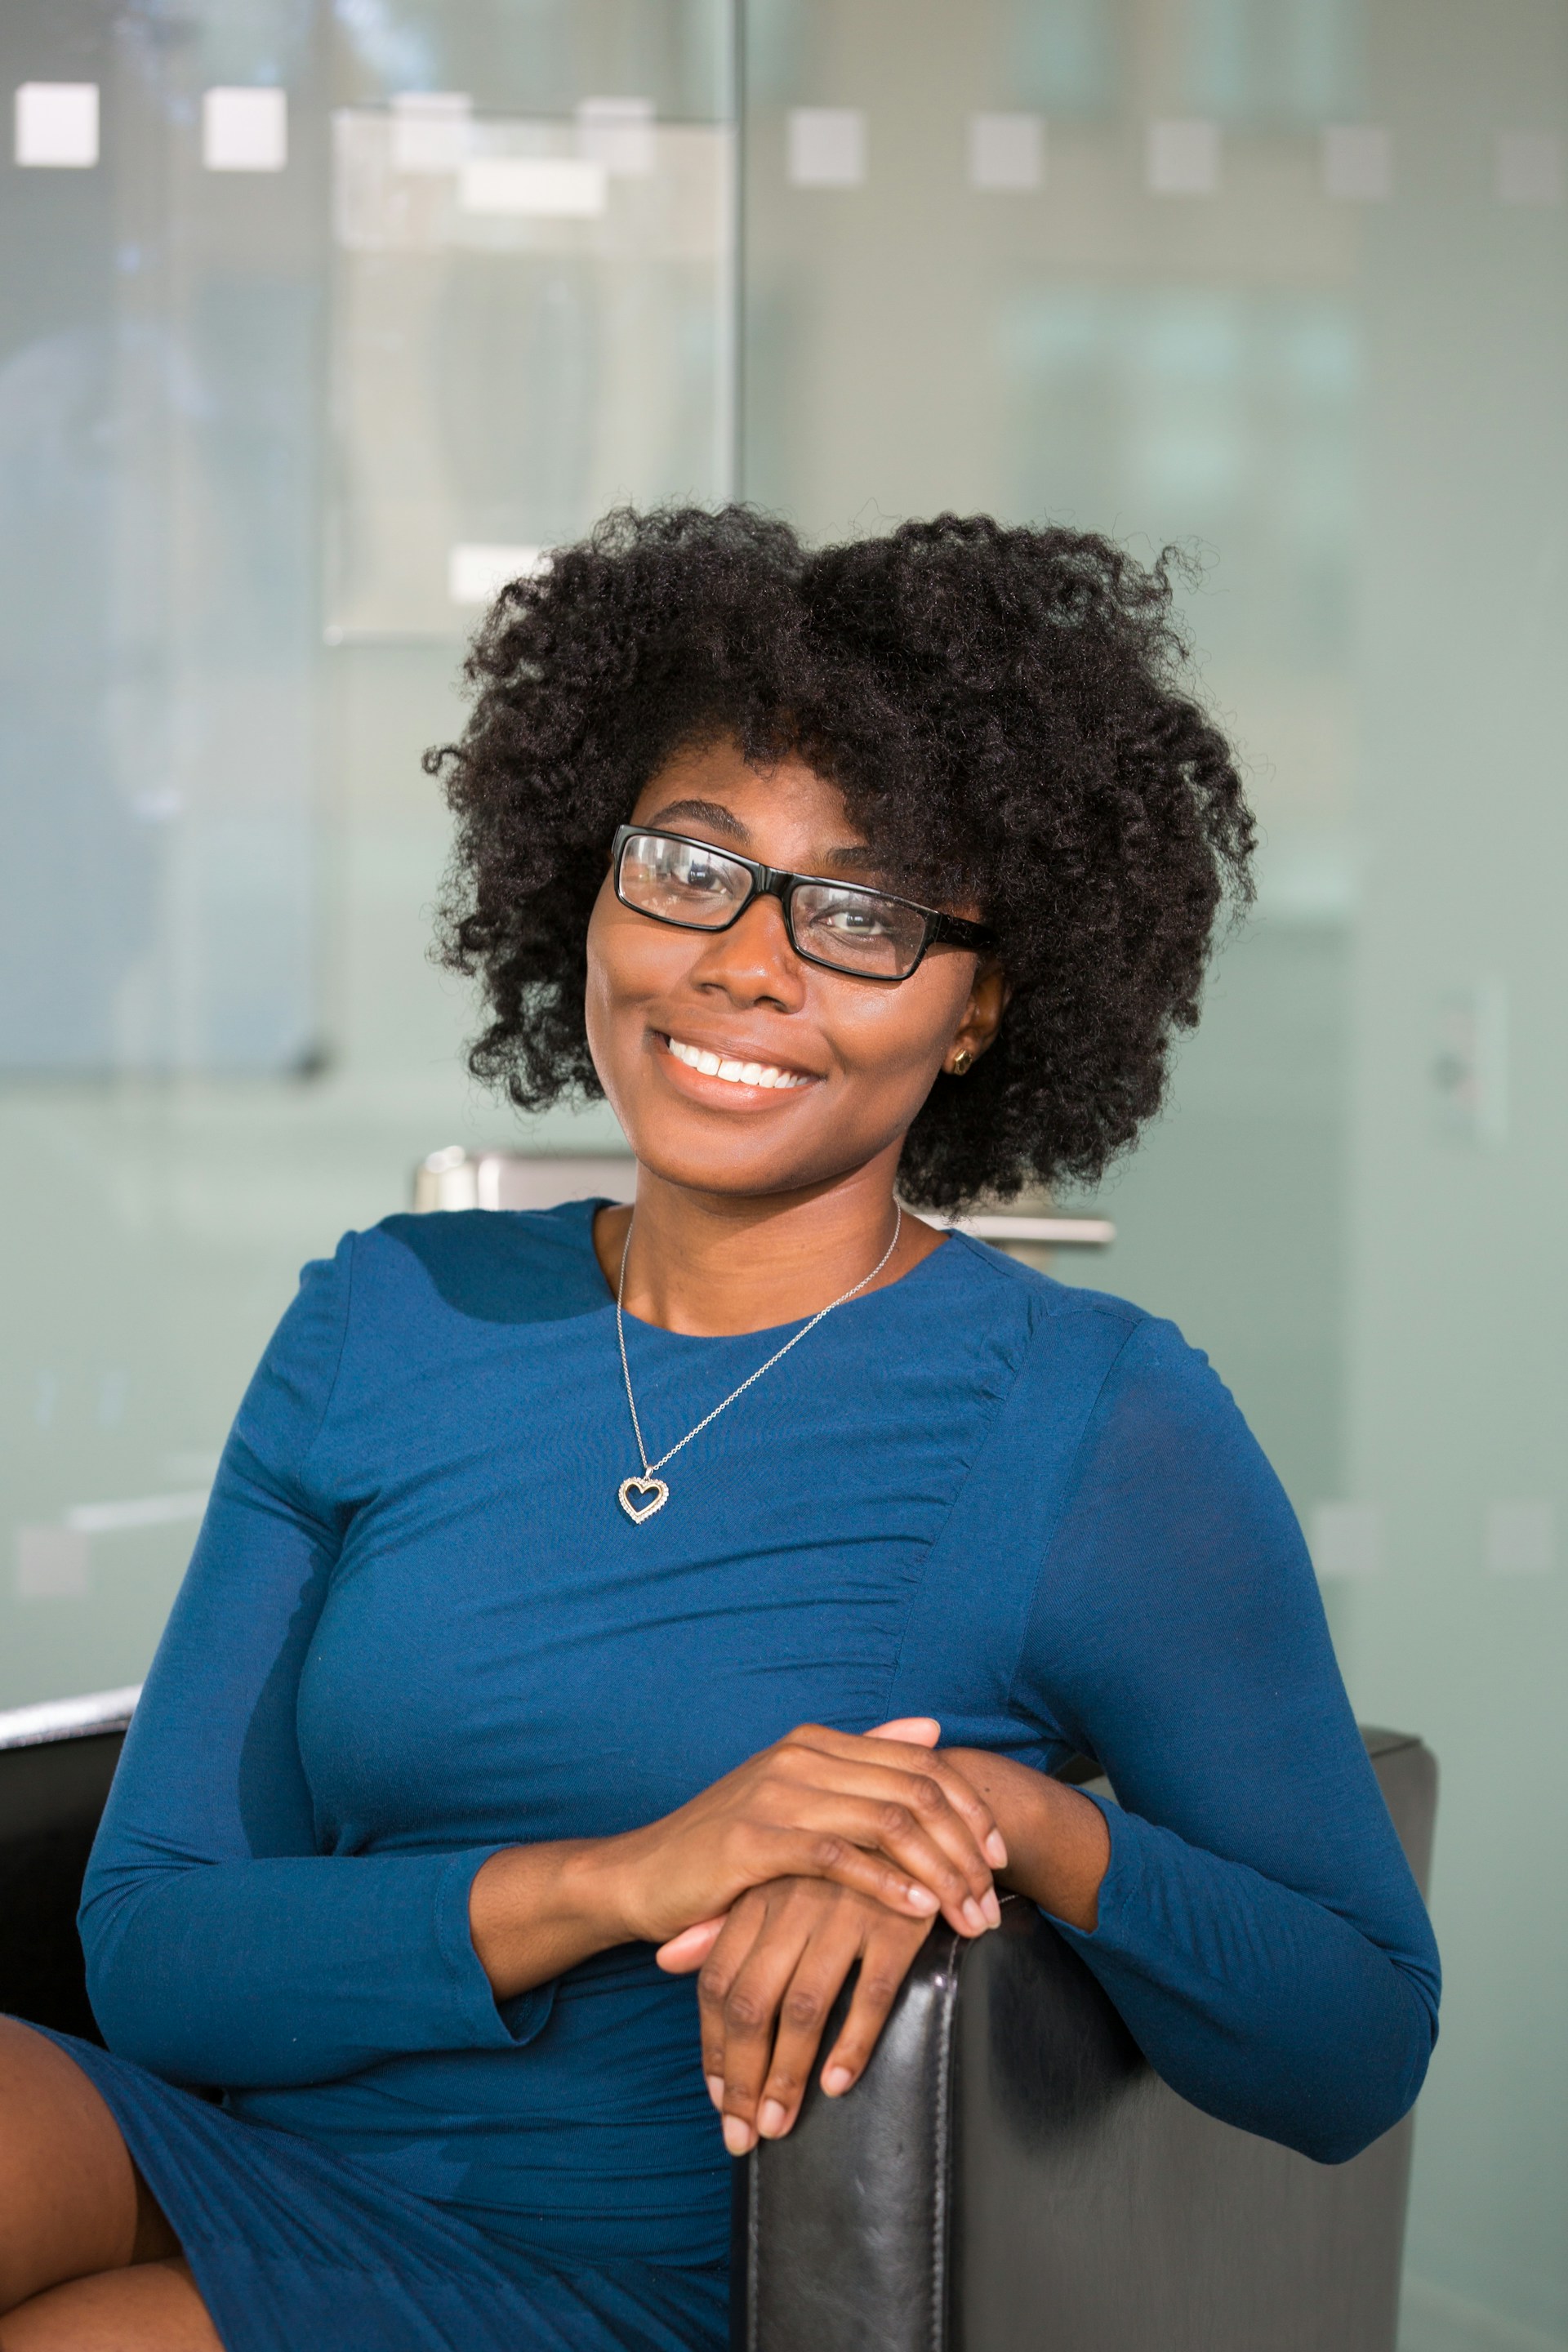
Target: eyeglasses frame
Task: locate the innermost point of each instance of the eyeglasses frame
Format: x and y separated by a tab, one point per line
778	882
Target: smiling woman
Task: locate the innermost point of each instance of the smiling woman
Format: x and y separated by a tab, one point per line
474	1737
1005	716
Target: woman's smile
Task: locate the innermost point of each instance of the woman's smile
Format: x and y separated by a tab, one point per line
742	1074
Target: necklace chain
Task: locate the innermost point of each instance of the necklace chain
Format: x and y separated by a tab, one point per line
651	1468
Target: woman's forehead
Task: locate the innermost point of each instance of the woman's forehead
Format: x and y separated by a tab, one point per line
714	791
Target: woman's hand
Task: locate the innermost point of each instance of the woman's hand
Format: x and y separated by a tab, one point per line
771	1972
874	1815
773	1966
881	1816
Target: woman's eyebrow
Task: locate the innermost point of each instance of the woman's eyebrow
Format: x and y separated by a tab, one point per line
711	814
714	817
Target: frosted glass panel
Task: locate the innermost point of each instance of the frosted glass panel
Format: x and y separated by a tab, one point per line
529	325
267	360
1322	347
341	317
159	450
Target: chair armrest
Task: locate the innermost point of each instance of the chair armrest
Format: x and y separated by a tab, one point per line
1011	2173
841	2229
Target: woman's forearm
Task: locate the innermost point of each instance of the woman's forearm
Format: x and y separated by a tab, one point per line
537	1910
1059	1847
880	1816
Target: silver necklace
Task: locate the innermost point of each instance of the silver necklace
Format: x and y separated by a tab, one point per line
633	1490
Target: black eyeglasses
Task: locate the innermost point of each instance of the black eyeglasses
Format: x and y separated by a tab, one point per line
841	925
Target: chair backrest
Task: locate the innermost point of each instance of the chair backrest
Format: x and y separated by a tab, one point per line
55	1765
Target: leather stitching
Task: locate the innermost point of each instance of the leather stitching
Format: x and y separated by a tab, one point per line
942	2156
753	2251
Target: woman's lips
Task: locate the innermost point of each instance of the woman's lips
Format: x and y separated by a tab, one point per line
733	1070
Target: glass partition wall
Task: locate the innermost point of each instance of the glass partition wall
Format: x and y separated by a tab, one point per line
315	322
1284	282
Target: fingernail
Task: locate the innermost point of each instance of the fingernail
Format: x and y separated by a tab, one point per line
738	2136
771	2120
992	1908
922	1899
835	2081
716	2089
973	1917
996	1850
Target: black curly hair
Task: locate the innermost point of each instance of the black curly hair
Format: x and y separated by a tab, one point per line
1004	712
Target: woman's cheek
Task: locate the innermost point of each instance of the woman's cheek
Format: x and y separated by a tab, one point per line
897	1066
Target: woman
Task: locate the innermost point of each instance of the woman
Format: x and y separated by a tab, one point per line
584	1596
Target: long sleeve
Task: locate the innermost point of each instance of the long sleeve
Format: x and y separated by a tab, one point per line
224	1945
1259	1928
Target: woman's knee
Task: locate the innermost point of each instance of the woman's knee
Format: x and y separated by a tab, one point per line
71	2201
153	2308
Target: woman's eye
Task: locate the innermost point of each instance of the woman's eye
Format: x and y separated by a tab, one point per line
852	923
696	875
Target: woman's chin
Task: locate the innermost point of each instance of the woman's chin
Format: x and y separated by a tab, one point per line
740	1176
728	1154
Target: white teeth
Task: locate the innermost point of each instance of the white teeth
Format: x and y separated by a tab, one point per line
745	1074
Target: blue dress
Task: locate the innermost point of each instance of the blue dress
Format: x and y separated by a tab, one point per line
417	1627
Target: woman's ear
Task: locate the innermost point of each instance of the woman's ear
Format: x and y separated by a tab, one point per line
982	1019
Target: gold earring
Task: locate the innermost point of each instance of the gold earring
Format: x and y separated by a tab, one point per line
960	1062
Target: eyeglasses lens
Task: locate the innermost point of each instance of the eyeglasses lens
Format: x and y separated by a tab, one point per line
858	930
851	930
682	882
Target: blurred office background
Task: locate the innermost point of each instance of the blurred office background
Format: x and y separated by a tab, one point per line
317	319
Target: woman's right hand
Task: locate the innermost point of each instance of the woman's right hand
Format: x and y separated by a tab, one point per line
886	1819
874	1814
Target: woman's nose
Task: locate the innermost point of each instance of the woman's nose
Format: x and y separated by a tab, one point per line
754	957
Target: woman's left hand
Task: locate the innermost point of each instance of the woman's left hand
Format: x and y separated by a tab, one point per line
771	1970
773	1965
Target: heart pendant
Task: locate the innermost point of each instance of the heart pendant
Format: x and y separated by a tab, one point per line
630	1488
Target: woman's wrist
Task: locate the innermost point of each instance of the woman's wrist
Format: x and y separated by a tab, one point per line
1059	1847
537	1910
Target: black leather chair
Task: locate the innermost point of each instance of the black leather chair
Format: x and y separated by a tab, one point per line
1009	2176
53	1783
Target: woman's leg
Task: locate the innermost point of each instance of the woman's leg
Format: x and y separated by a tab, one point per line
73	2207
153	2308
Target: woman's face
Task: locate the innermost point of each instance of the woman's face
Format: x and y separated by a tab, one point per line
861	1054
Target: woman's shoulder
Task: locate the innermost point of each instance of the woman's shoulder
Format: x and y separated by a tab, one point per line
1071	1312
402	1296
1102	1340
392	1283
1120	1416
485	1265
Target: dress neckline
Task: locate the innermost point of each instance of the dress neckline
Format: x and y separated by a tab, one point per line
762	1330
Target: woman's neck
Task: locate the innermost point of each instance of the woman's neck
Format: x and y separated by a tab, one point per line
707	1262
